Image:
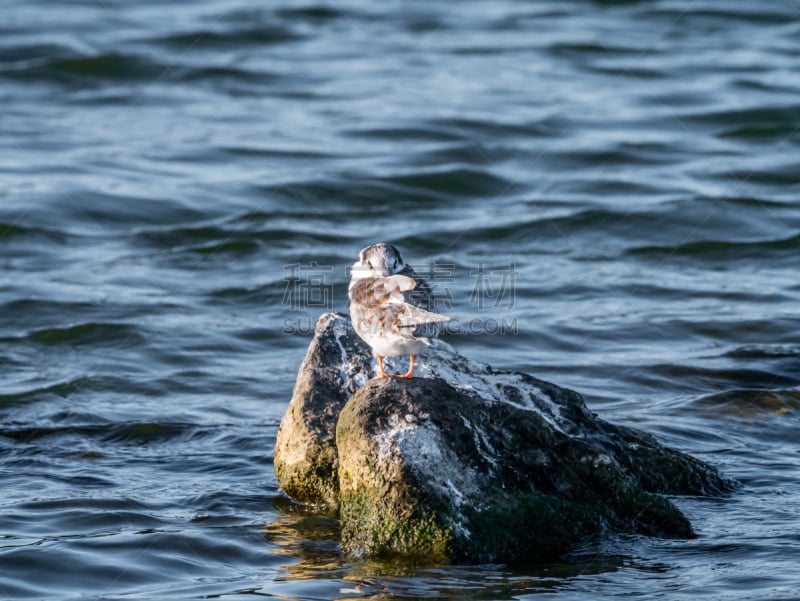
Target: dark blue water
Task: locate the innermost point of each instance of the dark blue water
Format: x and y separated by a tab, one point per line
608	192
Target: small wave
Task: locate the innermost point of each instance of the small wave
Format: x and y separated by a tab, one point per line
744	402
719	378
724	249
144	385
762	132
7	230
111	66
556	225
213	240
256	79
170	237
776	14
777	176
465	153
81	334
786	116
465	128
84	211
230	38
30	434
12	231
583	49
405	133
61	389
140	432
111	505
621	157
451	182
315	13
40	313
266	294
593	187
21	55
765	352
637	73
354	193
143	432
746	202
129	67
239	247
261	152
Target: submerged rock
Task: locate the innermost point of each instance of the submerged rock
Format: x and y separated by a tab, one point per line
466	462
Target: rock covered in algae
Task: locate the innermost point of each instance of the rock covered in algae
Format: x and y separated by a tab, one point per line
466	462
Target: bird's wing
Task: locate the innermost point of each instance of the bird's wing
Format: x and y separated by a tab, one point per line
378	304
377	292
421	295
399	282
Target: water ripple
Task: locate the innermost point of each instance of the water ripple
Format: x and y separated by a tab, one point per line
166	167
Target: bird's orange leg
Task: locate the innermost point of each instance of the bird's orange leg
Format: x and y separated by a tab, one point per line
410	373
381	373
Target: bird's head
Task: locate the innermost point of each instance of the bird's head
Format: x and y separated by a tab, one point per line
377	261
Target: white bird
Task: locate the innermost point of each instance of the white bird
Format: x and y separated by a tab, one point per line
392	308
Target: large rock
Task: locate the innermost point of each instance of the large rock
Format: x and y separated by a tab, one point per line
336	364
466	462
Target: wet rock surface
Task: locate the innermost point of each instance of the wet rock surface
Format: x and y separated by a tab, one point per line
468	463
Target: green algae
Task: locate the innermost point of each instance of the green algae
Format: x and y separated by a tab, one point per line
377	529
530	526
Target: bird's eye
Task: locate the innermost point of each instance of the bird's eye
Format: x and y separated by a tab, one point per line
369	264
